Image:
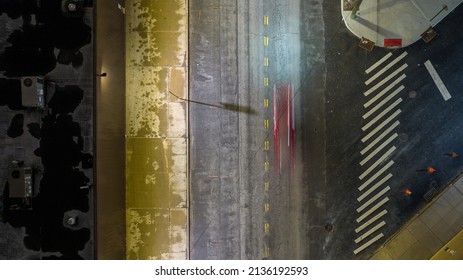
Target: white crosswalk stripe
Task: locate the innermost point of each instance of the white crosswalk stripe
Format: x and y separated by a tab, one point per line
385	80
383	108
374	187
385	90
371	221
379	138
382	114
371	231
389	66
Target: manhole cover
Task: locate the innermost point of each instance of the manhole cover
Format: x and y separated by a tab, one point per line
430	194
403	137
328	227
412	94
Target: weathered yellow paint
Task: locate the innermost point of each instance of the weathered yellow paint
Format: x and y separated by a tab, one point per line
266	165
266	207
156	129
266	186
453	250
266	124
266	145
266	102
265	20
267	252
266	227
265	61
266	82
265	41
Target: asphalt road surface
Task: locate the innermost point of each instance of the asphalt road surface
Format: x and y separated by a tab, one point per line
359	137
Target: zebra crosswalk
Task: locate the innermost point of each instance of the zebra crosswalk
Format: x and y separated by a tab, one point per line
385	81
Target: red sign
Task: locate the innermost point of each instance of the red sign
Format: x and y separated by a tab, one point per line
393	42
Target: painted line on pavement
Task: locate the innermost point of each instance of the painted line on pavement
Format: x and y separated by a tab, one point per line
378	162
374	187
382	114
381	61
379	127
377	150
383	102
385	90
387	67
373	199
370	221
380	137
372	209
370	232
385	80
371	241
381	171
437	80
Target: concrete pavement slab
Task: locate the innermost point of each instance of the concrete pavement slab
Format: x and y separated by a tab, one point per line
400	243
415	252
429	217
431	242
453	196
441	206
443	231
459	185
417	228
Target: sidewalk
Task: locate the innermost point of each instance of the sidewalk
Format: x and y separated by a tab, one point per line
156	129
433	233
395	23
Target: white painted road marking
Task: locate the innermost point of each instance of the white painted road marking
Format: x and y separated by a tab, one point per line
371	200
372	209
382	114
385	80
370	221
387	67
378	162
369	232
385	90
377	150
379	127
372	67
437	80
386	132
381	171
371	241
383	102
374	187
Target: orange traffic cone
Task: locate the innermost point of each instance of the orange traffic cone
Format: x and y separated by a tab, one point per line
408	192
454	155
431	170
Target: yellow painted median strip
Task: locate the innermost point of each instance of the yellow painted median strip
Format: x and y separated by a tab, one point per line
266	145
266	207
265	61
265	20
265	41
